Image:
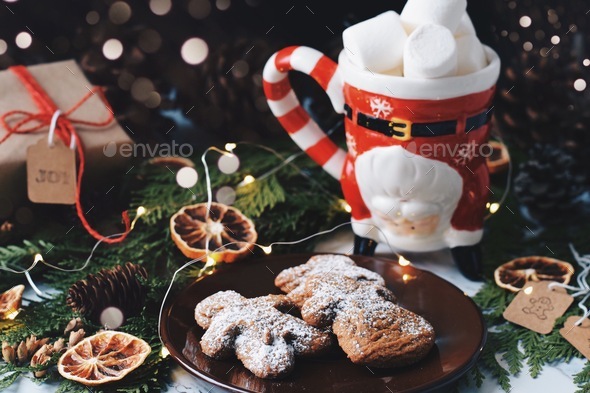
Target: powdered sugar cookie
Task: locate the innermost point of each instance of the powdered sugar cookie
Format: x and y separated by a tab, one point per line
263	338
292	280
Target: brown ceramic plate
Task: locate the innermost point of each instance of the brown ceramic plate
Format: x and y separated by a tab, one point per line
458	323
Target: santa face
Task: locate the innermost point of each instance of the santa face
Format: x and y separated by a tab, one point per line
411	198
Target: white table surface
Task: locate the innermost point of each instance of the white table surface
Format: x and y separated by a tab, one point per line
552	379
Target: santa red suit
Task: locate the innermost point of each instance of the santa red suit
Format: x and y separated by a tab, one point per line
416	169
415	173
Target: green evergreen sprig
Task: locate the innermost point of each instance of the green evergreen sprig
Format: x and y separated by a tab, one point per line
522	350
293	202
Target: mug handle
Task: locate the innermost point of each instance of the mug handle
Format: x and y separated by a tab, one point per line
286	107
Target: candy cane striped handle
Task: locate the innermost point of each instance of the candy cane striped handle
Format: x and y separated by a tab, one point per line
286	107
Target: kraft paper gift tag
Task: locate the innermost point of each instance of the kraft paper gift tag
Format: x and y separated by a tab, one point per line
51	172
66	84
578	336
536	306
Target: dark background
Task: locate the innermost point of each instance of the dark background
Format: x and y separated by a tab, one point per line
235	108
155	93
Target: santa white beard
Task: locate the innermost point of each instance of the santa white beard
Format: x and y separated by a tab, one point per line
411	199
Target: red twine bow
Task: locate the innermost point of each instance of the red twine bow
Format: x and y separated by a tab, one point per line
29	122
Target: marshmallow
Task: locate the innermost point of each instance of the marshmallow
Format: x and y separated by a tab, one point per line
377	43
446	13
397	71
465	27
471	56
430	52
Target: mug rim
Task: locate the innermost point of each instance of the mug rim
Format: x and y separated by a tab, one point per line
414	88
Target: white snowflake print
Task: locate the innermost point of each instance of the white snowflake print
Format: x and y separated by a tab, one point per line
465	153
351	143
380	106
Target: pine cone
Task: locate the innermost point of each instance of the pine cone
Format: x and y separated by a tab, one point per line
550	180
119	287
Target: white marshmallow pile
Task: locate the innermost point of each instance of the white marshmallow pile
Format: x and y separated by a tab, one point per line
430	39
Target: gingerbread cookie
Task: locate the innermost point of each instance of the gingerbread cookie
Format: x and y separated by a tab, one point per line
371	329
292	280
264	339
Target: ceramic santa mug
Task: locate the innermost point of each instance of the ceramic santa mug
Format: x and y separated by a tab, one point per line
416	161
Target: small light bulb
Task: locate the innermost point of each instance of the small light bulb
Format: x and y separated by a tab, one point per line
488	205
38	258
140	211
345	206
406	277
210	261
528	290
248	179
403	261
267	249
494	207
164	352
230	147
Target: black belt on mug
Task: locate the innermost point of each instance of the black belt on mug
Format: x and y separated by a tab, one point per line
404	129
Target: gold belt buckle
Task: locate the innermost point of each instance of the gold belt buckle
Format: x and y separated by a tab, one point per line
401	126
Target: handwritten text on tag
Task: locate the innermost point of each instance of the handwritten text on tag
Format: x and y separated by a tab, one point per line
51	173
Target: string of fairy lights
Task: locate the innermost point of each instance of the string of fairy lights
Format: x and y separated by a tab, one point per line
187	177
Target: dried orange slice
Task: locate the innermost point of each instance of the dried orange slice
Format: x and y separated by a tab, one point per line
10	302
105	357
194	226
515	274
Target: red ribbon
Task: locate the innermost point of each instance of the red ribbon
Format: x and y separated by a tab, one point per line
29	122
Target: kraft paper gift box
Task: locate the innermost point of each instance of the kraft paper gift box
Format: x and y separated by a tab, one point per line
66	84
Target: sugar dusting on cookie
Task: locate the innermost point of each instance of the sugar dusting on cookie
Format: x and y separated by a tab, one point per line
293	279
370	328
263	338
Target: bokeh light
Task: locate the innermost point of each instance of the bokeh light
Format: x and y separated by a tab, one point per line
187	177
555	40
112	49
525	21
194	51
111	318
92	17
580	85
199	9
222	5
153	101
514	36
125	80
228	163
141	89
3	47
23	40
240	69
119	12
226	195
150	41
527	46
160	7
